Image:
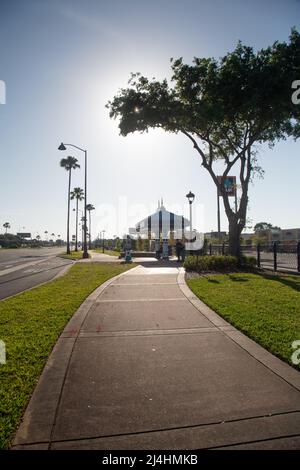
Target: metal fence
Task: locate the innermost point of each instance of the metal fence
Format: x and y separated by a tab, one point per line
273	256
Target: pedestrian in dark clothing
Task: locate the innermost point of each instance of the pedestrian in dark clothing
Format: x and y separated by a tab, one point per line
178	248
183	252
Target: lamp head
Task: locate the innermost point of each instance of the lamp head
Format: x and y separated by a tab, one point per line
62	147
191	197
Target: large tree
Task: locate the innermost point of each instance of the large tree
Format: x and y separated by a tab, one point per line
265	226
69	164
77	194
225	107
6	225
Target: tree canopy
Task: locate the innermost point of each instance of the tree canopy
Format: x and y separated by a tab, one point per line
265	226
224	107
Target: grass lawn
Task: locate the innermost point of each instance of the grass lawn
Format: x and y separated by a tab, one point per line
75	255
265	307
107	252
30	324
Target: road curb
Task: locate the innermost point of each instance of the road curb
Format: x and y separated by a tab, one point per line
273	363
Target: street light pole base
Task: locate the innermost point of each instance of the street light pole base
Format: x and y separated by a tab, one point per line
85	255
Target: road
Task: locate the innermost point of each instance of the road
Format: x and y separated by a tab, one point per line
285	261
25	268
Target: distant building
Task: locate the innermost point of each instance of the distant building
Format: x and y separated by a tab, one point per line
212	235
290	234
284	236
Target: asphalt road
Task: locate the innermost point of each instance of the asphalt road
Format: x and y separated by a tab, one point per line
23	269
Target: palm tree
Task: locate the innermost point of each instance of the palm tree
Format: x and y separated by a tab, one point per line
69	164
46	234
6	225
90	207
77	194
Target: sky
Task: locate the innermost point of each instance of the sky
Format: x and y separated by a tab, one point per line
62	60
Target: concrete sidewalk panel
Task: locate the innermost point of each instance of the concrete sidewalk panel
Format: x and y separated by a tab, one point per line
142	292
118	316
135	384
235	433
153	270
147	279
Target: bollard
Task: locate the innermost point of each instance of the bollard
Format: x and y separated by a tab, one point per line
275	255
258	255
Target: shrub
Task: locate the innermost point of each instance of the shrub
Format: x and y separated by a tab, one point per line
248	261
211	263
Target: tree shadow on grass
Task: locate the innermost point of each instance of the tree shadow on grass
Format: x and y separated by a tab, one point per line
213	281
287	280
236	278
232	277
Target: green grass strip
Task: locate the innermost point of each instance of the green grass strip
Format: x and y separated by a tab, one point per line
265	307
30	325
74	255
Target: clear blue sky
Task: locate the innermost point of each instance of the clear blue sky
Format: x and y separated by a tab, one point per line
62	60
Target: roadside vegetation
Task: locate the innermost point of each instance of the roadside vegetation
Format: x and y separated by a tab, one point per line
218	263
74	255
30	325
265	307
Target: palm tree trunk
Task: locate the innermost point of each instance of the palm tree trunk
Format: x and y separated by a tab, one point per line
68	218
76	239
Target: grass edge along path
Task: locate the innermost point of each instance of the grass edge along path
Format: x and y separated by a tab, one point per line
74	255
30	325
263	306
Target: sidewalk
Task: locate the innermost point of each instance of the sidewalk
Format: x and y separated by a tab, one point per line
103	258
143	364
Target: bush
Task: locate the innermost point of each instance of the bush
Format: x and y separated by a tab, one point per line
13	245
211	263
9	240
220	263
248	261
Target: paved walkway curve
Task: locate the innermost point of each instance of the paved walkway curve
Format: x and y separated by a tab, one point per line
143	364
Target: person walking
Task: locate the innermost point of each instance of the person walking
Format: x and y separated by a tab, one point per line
179	248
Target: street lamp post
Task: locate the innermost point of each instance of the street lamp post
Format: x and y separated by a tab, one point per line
191	198
63	147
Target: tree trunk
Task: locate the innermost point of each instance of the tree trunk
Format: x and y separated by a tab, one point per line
237	222
68	218
234	237
76	239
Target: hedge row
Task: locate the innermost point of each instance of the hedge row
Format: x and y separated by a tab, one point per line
220	263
